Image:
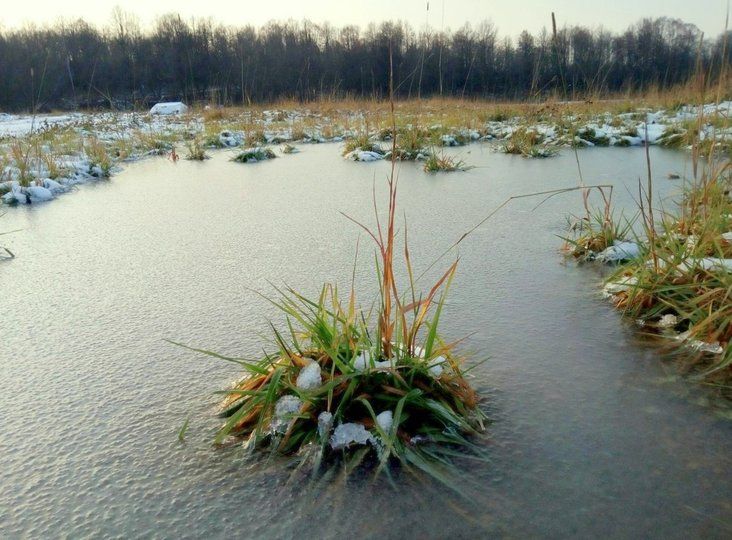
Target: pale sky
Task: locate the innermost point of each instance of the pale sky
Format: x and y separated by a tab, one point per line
509	16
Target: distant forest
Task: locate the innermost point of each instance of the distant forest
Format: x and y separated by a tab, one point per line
76	65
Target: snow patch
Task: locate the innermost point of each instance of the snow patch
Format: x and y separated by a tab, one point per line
170	107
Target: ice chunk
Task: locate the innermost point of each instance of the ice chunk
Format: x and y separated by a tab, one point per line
623	284
385	421
351	433
701	346
362	362
171	107
436	368
668	321
309	377
707	263
619	251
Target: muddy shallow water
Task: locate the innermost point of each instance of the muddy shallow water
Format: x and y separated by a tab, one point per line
591	434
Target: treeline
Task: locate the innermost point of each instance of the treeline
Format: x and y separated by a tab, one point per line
73	65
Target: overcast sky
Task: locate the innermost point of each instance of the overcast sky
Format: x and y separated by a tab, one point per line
509	16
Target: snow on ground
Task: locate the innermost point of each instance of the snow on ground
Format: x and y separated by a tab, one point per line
167	126
17	126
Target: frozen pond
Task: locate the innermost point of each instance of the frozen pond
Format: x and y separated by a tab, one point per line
592	435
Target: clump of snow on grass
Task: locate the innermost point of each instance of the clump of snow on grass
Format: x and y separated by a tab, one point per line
363	155
362	362
285	407
349	434
309	377
668	321
385	421
436	368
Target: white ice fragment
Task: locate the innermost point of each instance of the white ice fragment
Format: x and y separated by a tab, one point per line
707	263
727	236
385	421
668	321
171	107
701	346
362	362
348	434
436	368
619	251
623	284
285	407
325	424
309	377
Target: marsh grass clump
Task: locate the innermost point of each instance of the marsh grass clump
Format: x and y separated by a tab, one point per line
412	144
157	144
684	283
590	135
100	163
593	234
253	155
362	143
443	163
20	155
527	143
196	150
346	386
340	387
